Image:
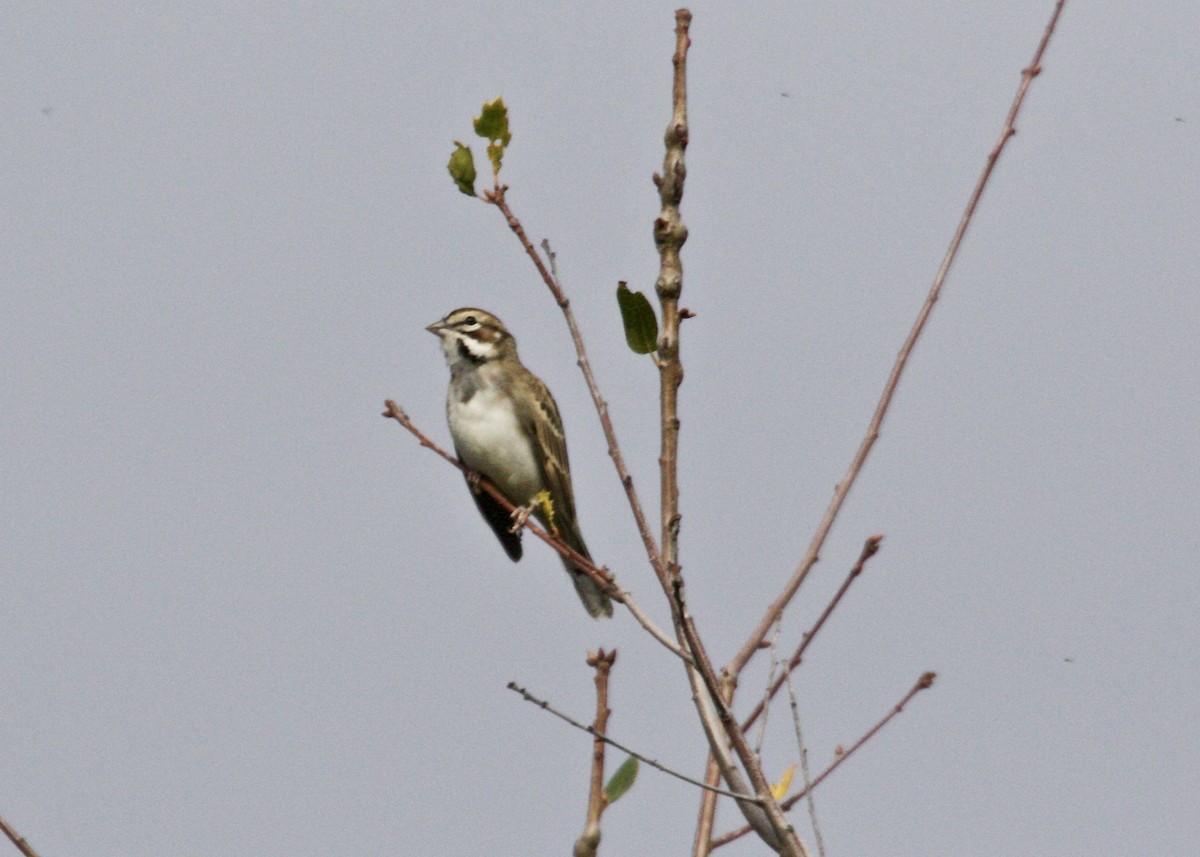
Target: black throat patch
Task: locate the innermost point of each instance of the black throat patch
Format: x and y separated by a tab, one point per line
469	355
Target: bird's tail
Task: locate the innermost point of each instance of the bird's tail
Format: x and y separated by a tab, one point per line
594	601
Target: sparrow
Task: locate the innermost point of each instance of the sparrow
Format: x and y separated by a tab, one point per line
506	427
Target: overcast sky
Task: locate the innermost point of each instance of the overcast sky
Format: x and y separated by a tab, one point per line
243	614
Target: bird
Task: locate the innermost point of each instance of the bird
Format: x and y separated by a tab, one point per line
506	427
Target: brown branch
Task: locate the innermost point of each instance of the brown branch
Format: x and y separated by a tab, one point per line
602	576
869	550
923	683
589	840
670	233
752	644
17	840
497	197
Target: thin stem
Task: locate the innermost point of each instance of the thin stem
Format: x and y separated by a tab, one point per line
769	690
803	750
589	840
17	840
869	550
708	811
603	577
543	704
923	683
752	644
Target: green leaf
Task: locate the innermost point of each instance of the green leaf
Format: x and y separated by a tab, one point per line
641	326
621	781
492	125
462	168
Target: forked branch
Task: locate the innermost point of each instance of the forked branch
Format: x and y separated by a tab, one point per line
923	683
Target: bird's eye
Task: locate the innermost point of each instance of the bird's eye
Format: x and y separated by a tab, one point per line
470	320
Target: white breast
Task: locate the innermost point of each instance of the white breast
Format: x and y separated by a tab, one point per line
490	440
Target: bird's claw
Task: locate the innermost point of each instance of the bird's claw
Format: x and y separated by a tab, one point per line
520	515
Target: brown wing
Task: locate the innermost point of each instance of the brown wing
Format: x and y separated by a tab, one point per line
545	425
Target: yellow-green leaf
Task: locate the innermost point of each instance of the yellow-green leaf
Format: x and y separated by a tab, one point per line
492	125
462	168
780	789
641	325
621	780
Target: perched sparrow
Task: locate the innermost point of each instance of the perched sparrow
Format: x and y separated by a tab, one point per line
506	427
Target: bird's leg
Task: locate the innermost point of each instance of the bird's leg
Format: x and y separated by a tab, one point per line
541	502
521	514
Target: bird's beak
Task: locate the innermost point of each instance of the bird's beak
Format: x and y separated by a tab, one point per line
437	327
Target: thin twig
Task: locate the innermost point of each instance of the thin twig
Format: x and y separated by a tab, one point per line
17	840
769	690
923	683
603	577
803	750
541	703
869	550
707	816
752	644
497	197
588	841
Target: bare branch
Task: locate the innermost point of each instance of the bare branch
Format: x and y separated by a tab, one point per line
17	840
670	233
602	576
752	644
589	840
802	748
541	703
923	683
869	550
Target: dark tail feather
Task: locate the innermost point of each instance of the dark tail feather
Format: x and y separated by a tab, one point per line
594	601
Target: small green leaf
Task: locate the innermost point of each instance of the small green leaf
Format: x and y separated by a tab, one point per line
641	326
492	125
621	781
462	168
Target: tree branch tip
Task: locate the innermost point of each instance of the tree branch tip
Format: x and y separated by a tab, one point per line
926	680
657	179
601	658
684	312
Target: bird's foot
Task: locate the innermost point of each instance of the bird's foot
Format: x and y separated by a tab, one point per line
520	515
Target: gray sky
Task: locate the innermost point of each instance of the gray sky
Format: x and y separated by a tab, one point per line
243	614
